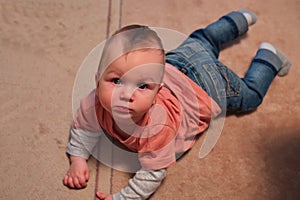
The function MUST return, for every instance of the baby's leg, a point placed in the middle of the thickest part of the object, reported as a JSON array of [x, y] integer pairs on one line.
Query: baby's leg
[[267, 63], [224, 30]]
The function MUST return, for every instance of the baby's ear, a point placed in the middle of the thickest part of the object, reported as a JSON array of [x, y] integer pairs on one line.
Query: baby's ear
[[160, 86]]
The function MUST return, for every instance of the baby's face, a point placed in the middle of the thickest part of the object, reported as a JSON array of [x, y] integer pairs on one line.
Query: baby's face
[[129, 85]]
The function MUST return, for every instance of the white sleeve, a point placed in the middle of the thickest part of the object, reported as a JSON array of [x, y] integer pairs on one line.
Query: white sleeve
[[142, 185], [82, 142]]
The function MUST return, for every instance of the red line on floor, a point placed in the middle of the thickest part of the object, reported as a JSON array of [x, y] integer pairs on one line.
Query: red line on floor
[[108, 26], [96, 179], [107, 35]]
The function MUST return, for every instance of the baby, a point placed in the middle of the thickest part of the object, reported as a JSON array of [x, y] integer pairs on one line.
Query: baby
[[156, 104]]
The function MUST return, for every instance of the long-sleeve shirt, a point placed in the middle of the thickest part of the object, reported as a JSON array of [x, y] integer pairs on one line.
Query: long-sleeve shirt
[[182, 111], [141, 186]]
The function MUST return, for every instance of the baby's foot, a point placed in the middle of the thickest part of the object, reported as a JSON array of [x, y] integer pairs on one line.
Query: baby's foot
[[286, 63], [250, 16]]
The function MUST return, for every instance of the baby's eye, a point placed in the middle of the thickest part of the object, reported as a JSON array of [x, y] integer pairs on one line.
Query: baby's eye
[[117, 81], [142, 86]]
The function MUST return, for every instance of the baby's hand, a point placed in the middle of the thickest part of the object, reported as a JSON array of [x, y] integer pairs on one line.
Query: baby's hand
[[102, 196], [78, 173]]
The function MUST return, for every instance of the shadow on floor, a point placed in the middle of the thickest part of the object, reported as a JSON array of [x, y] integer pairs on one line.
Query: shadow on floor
[[282, 158]]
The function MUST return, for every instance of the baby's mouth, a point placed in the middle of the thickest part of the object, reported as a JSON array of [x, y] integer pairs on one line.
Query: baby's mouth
[[121, 110]]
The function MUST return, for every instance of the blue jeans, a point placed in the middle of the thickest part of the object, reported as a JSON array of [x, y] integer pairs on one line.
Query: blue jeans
[[197, 57]]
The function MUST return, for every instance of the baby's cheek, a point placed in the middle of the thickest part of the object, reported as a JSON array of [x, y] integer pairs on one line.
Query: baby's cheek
[[105, 99], [144, 104]]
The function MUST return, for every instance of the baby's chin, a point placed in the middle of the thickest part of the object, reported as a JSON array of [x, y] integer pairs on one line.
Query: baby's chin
[[128, 118]]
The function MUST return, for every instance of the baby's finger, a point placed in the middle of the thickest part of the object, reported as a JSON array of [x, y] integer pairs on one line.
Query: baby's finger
[[82, 181], [65, 180], [70, 182], [76, 183], [87, 175], [100, 195]]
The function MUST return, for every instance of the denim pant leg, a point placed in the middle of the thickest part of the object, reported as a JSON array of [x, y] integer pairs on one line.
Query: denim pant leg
[[255, 84], [221, 32], [197, 56]]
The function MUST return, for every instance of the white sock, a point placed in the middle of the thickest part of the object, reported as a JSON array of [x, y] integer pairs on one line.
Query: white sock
[[286, 63], [250, 16], [268, 46]]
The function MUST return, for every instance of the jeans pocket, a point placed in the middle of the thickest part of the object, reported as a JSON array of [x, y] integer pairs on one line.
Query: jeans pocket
[[232, 81]]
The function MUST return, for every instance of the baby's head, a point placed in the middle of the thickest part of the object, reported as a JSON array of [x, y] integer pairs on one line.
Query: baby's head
[[130, 72]]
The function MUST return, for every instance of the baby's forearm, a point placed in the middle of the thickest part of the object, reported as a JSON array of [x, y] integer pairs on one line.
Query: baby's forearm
[[81, 142], [142, 185]]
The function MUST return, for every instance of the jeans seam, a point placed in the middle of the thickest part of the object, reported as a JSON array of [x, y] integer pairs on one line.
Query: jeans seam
[[228, 86]]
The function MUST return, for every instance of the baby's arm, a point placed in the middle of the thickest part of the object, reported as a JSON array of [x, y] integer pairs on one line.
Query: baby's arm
[[81, 141], [141, 186]]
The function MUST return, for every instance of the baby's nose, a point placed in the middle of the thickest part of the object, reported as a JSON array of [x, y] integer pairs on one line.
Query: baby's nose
[[127, 93]]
